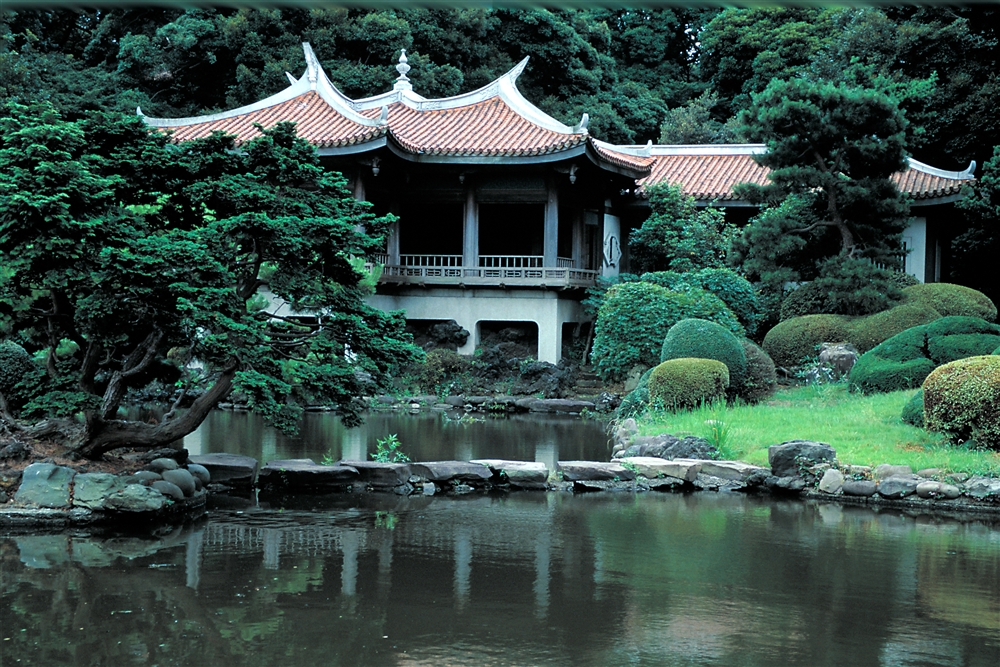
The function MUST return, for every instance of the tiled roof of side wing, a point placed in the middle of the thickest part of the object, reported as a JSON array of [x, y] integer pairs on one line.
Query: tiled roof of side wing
[[711, 172], [316, 121]]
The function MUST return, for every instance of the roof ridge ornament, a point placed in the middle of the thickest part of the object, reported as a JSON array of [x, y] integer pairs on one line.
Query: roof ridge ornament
[[581, 127], [383, 118], [402, 81]]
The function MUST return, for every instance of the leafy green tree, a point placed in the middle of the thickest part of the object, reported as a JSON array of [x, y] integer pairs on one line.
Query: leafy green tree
[[976, 247], [693, 123], [679, 236], [127, 257]]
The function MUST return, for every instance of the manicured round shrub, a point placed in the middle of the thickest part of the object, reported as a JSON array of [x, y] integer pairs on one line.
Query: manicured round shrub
[[962, 400], [794, 340], [867, 332], [913, 411], [734, 290], [760, 377], [637, 400], [903, 361], [14, 363], [702, 339], [687, 383], [949, 299], [810, 298], [634, 319]]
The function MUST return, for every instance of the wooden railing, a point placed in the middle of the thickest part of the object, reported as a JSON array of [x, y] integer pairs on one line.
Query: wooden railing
[[493, 270]]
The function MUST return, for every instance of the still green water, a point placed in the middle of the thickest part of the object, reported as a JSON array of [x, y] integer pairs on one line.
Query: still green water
[[524, 579]]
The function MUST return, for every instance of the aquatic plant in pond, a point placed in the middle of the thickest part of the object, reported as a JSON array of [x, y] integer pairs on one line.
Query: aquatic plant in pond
[[387, 450]]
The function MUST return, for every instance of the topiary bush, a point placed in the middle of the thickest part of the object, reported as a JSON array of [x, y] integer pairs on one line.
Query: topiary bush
[[962, 400], [702, 339], [760, 377], [867, 332], [903, 361], [15, 362], [734, 290], [913, 411], [636, 401], [685, 383], [794, 340], [949, 299], [810, 298], [634, 319]]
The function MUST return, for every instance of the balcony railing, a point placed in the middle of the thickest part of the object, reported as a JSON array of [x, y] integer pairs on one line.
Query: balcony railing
[[493, 270]]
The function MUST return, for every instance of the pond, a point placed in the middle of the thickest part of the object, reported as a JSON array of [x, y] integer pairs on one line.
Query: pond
[[528, 578], [425, 436]]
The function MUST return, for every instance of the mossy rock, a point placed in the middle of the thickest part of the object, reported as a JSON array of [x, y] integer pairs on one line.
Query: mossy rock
[[795, 340], [962, 400], [636, 401], [686, 383], [913, 411], [949, 299], [867, 332], [903, 361], [701, 339], [760, 377]]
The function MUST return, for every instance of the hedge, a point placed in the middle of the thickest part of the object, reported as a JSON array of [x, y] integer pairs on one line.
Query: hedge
[[962, 400], [760, 377], [949, 299], [684, 383], [794, 340], [634, 319], [734, 290], [913, 411], [702, 339], [14, 363], [903, 361], [867, 332]]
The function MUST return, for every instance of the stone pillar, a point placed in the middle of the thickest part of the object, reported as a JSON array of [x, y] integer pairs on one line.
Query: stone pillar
[[550, 333], [470, 237], [551, 233], [472, 342]]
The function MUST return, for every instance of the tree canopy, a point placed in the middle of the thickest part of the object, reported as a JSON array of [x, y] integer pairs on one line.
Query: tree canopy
[[130, 261]]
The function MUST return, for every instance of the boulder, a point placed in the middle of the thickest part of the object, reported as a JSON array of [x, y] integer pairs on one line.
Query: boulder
[[652, 467], [562, 405], [135, 498], [230, 469], [145, 477], [929, 489], [162, 464], [898, 486], [182, 479], [887, 470], [91, 489], [839, 357], [666, 446], [524, 474], [452, 471], [859, 487], [168, 489], [15, 450], [729, 470], [832, 481], [581, 471], [305, 475], [200, 472], [380, 475], [454, 401], [45, 485], [981, 488], [179, 455], [786, 458]]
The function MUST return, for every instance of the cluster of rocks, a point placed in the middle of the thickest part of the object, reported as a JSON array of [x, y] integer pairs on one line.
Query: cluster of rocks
[[495, 404], [54, 493]]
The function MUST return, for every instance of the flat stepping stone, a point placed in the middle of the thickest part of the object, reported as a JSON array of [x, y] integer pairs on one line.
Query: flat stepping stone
[[382, 475], [654, 467], [587, 471], [230, 469], [451, 471], [736, 471], [305, 475], [524, 474], [553, 405]]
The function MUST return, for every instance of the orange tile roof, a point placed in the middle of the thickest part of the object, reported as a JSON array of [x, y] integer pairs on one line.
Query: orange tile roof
[[316, 121], [638, 162], [712, 177]]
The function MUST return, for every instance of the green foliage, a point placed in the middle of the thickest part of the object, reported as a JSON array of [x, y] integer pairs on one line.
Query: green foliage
[[635, 317], [808, 298], [736, 291], [442, 367], [637, 400], [678, 235], [686, 383], [15, 363], [949, 299], [794, 340], [693, 123], [906, 359], [962, 400], [913, 411], [389, 450], [106, 244], [977, 245], [867, 332], [760, 378], [701, 339]]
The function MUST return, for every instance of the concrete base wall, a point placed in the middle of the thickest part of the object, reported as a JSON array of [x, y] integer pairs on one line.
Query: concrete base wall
[[469, 307]]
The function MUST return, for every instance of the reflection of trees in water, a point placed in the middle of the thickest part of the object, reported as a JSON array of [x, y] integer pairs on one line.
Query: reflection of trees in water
[[593, 579]]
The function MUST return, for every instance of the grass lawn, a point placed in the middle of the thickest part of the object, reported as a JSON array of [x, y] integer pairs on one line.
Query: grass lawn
[[865, 430]]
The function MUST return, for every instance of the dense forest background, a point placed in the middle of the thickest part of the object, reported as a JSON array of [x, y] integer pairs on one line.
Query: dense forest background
[[673, 74]]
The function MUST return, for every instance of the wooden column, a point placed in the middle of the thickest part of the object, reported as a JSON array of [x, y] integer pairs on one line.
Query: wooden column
[[551, 233], [470, 236]]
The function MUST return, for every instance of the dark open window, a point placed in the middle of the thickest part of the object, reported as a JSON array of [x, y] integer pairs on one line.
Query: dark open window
[[511, 229], [431, 228]]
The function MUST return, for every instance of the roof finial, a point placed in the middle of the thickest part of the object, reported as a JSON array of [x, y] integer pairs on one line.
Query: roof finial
[[402, 82]]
